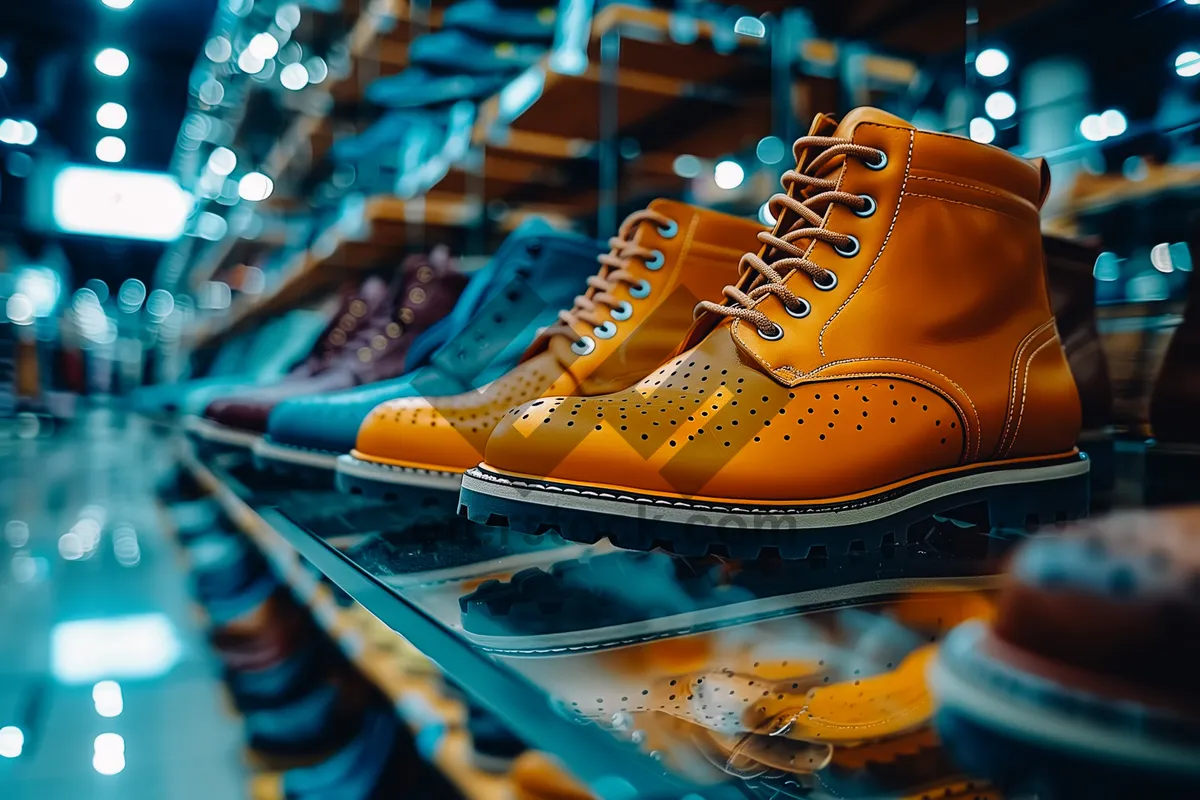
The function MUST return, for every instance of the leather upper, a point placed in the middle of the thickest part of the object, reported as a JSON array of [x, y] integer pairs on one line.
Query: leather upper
[[536, 271], [644, 326], [935, 348]]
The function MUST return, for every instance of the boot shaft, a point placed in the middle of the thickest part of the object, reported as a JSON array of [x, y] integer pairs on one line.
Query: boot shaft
[[944, 283]]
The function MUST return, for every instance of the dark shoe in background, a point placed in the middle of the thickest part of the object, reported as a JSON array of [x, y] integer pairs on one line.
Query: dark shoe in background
[[1173, 463], [1069, 268], [1084, 686], [424, 291]]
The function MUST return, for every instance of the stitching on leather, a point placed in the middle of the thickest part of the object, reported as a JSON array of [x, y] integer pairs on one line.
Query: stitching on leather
[[964, 185], [949, 380], [1025, 387], [912, 137], [1012, 198], [962, 203], [1012, 392]]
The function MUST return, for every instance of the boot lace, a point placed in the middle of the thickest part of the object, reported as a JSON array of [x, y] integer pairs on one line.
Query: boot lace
[[784, 254], [614, 271]]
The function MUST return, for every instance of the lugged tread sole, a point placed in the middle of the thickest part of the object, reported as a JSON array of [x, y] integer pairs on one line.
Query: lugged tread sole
[[1017, 500]]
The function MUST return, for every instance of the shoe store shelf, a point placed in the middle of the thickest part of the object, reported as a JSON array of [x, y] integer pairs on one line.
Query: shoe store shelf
[[368, 232], [377, 46], [405, 677], [612, 767]]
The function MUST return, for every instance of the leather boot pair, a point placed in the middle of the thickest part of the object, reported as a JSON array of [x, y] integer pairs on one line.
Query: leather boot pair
[[362, 348], [888, 354]]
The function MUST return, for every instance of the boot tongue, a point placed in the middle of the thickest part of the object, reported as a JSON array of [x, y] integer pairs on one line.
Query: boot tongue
[[858, 116], [823, 125]]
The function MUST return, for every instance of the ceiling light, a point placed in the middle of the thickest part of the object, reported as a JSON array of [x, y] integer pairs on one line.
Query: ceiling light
[[770, 150], [249, 63], [3, 67], [29, 132], [110, 149], [294, 77], [118, 4], [12, 741], [1160, 258], [1114, 122], [991, 62], [1092, 128], [1192, 2], [211, 92], [218, 49], [222, 161], [255, 186], [318, 70], [764, 214], [729, 174], [1000, 105], [686, 166], [263, 46], [982, 130], [287, 17], [112, 116], [112, 61], [1187, 64], [10, 131]]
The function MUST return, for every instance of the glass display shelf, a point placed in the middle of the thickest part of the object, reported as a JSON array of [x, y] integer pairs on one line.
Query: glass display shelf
[[655, 675]]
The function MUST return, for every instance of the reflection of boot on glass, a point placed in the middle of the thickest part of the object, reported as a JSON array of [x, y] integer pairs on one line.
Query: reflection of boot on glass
[[888, 355], [1173, 464], [1069, 268]]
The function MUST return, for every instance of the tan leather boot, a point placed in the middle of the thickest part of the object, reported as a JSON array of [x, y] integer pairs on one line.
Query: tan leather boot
[[631, 318], [1069, 268], [888, 355]]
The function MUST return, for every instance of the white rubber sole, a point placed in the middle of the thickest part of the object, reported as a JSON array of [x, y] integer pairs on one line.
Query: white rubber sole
[[295, 455], [401, 476], [684, 512], [222, 434], [492, 567], [743, 613]]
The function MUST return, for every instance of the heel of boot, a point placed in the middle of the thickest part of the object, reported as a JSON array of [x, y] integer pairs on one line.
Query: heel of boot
[[1019, 508]]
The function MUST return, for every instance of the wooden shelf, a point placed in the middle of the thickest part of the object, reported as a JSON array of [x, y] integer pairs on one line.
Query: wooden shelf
[[364, 237]]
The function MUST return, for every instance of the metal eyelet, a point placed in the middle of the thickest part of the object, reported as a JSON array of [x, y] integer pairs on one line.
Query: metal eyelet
[[851, 250], [869, 209], [656, 261], [669, 231], [879, 164], [831, 281], [584, 346], [775, 336], [799, 313], [622, 312], [641, 290], [605, 331]]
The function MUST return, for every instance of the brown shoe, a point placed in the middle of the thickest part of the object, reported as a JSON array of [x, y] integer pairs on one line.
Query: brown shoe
[[1069, 269]]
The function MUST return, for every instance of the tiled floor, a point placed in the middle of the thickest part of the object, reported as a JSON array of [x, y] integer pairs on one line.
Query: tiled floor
[[91, 590]]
